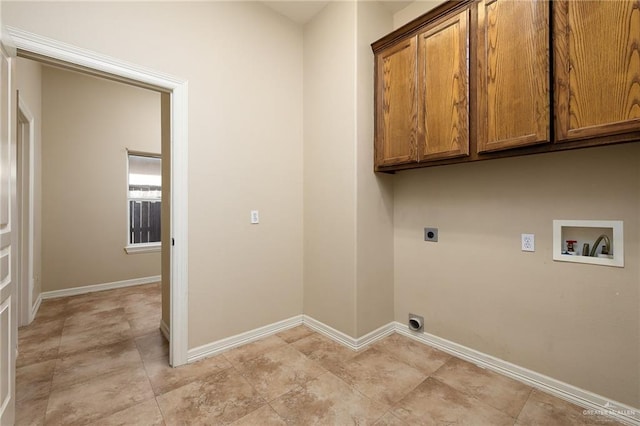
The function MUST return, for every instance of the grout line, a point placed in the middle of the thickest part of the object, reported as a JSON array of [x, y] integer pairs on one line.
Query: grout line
[[155, 398], [524, 405]]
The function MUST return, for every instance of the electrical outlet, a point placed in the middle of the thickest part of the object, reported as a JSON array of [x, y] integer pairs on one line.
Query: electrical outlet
[[431, 234], [528, 242], [255, 217]]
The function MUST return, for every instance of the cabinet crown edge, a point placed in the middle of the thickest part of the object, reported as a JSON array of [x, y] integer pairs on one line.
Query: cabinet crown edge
[[416, 25]]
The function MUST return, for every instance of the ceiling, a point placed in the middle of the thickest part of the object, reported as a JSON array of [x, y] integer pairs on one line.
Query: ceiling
[[301, 11]]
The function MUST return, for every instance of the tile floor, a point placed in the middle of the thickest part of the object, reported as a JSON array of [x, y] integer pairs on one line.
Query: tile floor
[[100, 359]]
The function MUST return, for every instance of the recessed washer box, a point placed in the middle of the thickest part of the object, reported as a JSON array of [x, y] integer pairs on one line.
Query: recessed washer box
[[588, 231]]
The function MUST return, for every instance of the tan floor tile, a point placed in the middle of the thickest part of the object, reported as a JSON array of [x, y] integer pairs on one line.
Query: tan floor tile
[[88, 401], [165, 378], [146, 413], [390, 420], [144, 324], [86, 365], [278, 371], [380, 376], [219, 399], [93, 302], [51, 310], [41, 329], [416, 354], [148, 312], [496, 390], [34, 381], [152, 345], [141, 304], [252, 350], [327, 400], [545, 409], [324, 350], [122, 292], [85, 298], [434, 402], [149, 290], [92, 296], [31, 412], [263, 416], [38, 348], [83, 340], [53, 304], [84, 320], [295, 333], [114, 357]]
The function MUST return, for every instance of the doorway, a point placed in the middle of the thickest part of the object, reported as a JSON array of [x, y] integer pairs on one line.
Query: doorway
[[174, 144], [25, 202]]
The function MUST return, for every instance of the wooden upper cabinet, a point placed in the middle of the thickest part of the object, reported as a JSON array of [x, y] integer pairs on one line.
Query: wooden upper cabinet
[[472, 80], [443, 81], [396, 115], [597, 68], [513, 97]]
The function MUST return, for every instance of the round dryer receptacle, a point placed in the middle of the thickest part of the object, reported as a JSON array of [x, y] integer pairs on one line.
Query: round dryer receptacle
[[416, 323]]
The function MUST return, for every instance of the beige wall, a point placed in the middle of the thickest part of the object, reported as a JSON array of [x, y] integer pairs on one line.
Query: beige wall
[[88, 124], [574, 322], [413, 10], [29, 84], [244, 67], [374, 192], [329, 167], [348, 232]]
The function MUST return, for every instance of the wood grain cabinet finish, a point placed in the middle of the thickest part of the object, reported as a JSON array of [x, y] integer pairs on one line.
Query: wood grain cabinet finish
[[513, 96], [471, 80], [597, 68], [396, 109], [443, 82]]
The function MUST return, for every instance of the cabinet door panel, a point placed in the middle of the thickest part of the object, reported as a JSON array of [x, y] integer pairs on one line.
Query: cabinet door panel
[[396, 119], [597, 68], [513, 74], [443, 78]]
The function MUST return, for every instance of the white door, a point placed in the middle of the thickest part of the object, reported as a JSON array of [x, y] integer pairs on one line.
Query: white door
[[8, 317]]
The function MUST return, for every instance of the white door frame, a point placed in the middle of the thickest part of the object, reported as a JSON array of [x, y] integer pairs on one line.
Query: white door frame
[[26, 226], [8, 236], [33, 44]]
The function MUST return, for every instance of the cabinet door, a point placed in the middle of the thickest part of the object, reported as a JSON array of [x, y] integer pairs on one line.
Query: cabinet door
[[513, 73], [443, 79], [597, 68], [396, 117]]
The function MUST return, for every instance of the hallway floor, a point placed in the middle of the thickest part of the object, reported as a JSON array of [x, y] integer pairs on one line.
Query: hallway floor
[[100, 359]]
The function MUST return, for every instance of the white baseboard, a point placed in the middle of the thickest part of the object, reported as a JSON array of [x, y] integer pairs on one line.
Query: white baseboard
[[99, 287], [34, 308], [219, 346], [164, 329], [352, 343], [588, 400]]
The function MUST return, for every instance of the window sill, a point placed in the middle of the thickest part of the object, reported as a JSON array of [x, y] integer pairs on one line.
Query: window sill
[[143, 248]]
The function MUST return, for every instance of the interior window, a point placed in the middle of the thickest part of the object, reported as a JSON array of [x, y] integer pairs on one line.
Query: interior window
[[145, 198]]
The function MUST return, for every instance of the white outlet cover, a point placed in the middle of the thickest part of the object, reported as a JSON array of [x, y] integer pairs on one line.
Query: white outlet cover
[[528, 242], [255, 217]]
